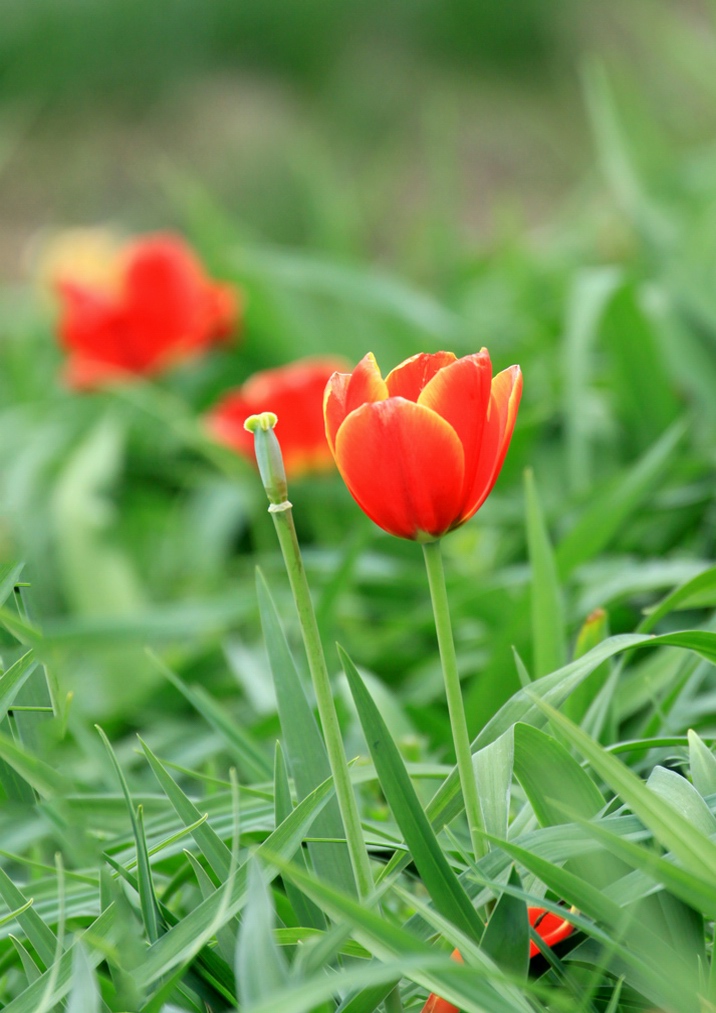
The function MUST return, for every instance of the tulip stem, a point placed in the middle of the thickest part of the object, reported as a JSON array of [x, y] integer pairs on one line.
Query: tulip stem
[[453, 692], [286, 531]]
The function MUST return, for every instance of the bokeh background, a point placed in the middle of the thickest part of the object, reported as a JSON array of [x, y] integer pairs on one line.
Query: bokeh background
[[536, 177]]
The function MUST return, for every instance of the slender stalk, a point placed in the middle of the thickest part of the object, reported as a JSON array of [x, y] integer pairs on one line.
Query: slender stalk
[[453, 692], [286, 531]]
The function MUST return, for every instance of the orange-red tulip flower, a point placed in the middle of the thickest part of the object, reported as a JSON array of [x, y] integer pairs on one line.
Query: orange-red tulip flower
[[295, 394], [548, 926], [156, 308], [421, 449]]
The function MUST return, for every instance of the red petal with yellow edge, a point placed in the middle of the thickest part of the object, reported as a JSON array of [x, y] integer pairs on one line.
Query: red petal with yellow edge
[[408, 379], [460, 393], [404, 466], [334, 405], [366, 384], [506, 391]]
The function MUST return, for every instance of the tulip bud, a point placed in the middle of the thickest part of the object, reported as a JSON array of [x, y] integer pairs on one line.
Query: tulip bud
[[268, 457]]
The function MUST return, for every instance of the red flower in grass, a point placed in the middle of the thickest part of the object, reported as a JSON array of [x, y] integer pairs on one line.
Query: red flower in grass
[[421, 449], [155, 308], [548, 926], [294, 393]]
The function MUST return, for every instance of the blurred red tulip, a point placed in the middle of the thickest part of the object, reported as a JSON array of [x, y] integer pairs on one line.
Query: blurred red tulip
[[295, 394], [421, 450], [550, 927], [159, 308]]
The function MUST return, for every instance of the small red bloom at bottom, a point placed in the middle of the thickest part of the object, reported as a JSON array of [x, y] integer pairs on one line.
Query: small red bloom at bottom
[[548, 926]]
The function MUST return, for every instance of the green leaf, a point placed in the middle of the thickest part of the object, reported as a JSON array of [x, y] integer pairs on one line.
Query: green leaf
[[552, 779], [474, 992], [683, 797], [147, 897], [644, 388], [40, 934], [507, 936], [589, 295], [438, 877], [13, 679], [247, 752], [303, 741], [84, 996], [306, 912], [101, 932], [188, 936], [607, 512], [225, 937], [9, 575], [493, 771], [548, 639], [699, 592], [208, 841], [594, 631], [260, 965], [692, 889], [32, 971], [688, 844], [702, 763], [39, 775]]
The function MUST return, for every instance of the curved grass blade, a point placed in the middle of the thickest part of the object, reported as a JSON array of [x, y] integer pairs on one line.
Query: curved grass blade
[[303, 741], [208, 841], [438, 877]]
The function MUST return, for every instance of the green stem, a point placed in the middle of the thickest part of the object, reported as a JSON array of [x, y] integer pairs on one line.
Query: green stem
[[286, 531], [453, 692]]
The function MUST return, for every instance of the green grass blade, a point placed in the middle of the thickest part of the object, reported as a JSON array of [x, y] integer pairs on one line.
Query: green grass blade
[[549, 649], [306, 912], [438, 877], [38, 774], [699, 592], [84, 996], [507, 936], [248, 753], [13, 679], [9, 576], [552, 780], [37, 931], [260, 965], [387, 941], [182, 939], [303, 741], [208, 841], [606, 513], [687, 843], [702, 764]]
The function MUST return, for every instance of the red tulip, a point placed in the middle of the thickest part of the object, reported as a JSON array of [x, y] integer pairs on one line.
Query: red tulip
[[548, 926], [295, 394], [421, 450], [159, 309]]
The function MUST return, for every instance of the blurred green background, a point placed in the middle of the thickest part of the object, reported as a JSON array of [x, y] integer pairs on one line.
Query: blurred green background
[[534, 177]]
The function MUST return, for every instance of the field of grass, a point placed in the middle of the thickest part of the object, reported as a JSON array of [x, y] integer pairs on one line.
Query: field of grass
[[172, 837]]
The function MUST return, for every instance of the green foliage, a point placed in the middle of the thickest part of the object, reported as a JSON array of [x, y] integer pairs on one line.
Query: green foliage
[[203, 866]]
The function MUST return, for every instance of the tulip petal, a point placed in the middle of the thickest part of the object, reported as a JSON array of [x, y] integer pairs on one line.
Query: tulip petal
[[506, 392], [347, 391], [549, 926], [404, 465], [334, 405], [408, 379], [460, 393]]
